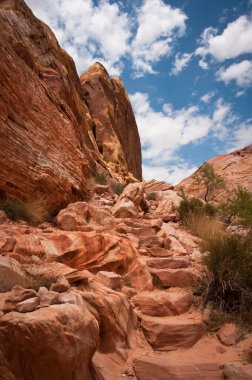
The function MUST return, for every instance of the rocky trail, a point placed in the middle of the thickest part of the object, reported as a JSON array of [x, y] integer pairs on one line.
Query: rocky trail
[[121, 304]]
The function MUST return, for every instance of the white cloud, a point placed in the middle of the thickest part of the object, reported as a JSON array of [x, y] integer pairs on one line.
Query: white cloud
[[104, 32], [240, 93], [171, 173], [241, 137], [240, 72], [181, 61], [88, 32], [235, 40], [207, 97]]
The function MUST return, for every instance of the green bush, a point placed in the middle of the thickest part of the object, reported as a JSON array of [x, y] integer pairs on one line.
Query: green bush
[[15, 210], [152, 196], [207, 177], [118, 187], [192, 207], [229, 261], [101, 179], [238, 205]]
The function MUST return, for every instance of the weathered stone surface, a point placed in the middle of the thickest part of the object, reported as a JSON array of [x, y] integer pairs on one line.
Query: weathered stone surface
[[229, 334], [48, 297], [177, 277], [28, 305], [167, 263], [73, 216], [17, 294], [110, 279], [161, 368], [51, 343], [171, 333], [114, 124], [163, 303], [7, 243], [61, 285], [11, 274], [237, 371], [234, 167], [154, 185]]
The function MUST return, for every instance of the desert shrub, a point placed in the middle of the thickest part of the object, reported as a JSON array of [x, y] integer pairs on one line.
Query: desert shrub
[[238, 205], [34, 211], [101, 179], [229, 262], [118, 187], [194, 207], [15, 210], [38, 275], [205, 227], [152, 196], [207, 177]]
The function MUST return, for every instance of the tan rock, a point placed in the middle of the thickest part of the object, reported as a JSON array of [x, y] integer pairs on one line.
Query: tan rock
[[110, 279], [167, 263], [159, 252], [73, 216], [11, 274], [161, 303], [125, 209], [171, 333], [28, 305], [162, 368], [67, 335], [229, 334], [17, 294], [161, 234], [48, 297], [7, 243], [151, 242], [177, 277], [61, 285]]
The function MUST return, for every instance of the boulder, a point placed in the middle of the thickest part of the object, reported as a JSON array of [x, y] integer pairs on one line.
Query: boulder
[[17, 295], [48, 297], [171, 333], [177, 277], [51, 343], [61, 285], [229, 334], [11, 274], [163, 303], [28, 305], [110, 279], [73, 216]]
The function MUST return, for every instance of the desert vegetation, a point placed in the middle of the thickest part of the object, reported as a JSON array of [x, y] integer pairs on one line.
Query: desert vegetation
[[34, 211], [227, 256]]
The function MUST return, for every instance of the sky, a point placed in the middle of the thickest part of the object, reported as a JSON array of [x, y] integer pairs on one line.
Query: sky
[[186, 64]]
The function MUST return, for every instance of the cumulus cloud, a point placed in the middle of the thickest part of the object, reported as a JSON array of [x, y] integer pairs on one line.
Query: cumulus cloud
[[181, 61], [162, 133], [241, 136], [170, 173], [158, 25], [240, 72], [235, 40], [207, 97], [107, 33]]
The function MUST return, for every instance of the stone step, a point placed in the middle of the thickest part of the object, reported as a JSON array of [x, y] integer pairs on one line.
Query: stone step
[[163, 368], [176, 277], [168, 263], [171, 333], [160, 303]]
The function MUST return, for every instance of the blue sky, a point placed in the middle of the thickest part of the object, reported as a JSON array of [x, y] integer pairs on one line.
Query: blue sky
[[186, 64]]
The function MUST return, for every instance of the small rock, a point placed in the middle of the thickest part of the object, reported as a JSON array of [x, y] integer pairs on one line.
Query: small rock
[[3, 217], [167, 243], [110, 279], [17, 295], [61, 285], [48, 298], [229, 334], [70, 298], [161, 234], [28, 305], [101, 189]]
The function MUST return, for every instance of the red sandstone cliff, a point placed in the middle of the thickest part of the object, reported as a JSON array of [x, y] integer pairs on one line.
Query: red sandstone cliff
[[234, 167], [47, 141]]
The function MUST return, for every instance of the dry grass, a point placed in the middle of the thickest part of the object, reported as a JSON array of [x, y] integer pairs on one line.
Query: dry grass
[[38, 210], [205, 227], [38, 275]]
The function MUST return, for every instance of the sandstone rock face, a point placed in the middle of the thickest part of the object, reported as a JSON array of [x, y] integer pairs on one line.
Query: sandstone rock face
[[114, 124], [162, 368], [58, 343], [48, 145], [11, 274], [234, 167]]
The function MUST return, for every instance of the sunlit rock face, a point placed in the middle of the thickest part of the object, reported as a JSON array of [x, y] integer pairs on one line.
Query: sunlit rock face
[[234, 167], [48, 144]]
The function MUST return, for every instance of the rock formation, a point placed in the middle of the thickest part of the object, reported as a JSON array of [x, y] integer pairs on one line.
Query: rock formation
[[49, 146], [234, 167]]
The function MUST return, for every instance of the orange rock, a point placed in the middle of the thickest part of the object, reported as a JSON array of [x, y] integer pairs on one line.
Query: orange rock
[[162, 368], [171, 333], [11, 274], [229, 334], [167, 263], [49, 343], [177, 277], [17, 294], [110, 279], [161, 303]]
